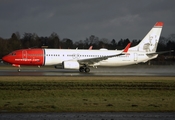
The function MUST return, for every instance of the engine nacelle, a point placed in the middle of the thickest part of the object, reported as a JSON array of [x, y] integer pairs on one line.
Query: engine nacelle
[[71, 65]]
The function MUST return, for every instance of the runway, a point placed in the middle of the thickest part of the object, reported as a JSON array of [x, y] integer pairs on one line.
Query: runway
[[90, 116], [134, 70]]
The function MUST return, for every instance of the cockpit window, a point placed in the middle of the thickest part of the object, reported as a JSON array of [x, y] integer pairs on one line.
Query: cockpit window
[[13, 53]]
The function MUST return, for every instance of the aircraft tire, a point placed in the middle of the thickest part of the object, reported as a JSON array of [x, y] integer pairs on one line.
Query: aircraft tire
[[87, 70], [81, 69]]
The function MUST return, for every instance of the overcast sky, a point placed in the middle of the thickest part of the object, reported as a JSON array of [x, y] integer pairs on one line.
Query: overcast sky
[[78, 19]]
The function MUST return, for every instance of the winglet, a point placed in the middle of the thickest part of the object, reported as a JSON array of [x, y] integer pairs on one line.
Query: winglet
[[90, 48], [127, 47]]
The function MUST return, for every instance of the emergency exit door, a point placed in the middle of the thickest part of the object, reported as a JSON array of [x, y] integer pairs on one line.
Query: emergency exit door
[[135, 57], [24, 54]]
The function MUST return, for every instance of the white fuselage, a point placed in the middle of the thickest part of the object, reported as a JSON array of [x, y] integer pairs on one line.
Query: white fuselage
[[57, 56]]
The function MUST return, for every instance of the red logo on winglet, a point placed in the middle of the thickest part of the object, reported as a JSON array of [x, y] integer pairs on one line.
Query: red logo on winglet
[[127, 47]]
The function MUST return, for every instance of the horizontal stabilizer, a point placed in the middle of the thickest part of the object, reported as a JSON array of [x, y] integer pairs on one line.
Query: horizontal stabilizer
[[155, 53]]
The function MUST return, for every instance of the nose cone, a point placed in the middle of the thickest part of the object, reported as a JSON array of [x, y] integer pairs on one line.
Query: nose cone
[[5, 58]]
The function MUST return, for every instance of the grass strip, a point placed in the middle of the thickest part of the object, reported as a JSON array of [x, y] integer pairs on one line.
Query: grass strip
[[86, 94]]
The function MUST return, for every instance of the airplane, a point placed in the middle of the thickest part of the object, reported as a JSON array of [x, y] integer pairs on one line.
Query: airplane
[[80, 59]]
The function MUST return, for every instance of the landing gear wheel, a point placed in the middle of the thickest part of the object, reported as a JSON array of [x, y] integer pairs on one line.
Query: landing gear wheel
[[81, 69], [87, 70], [84, 69]]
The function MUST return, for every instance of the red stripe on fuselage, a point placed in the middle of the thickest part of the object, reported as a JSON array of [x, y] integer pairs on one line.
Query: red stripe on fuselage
[[26, 57]]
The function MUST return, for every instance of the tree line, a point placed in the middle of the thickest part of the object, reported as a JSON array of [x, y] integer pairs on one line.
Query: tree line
[[32, 40]]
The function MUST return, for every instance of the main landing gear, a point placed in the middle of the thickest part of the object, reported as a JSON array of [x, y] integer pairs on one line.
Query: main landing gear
[[84, 69]]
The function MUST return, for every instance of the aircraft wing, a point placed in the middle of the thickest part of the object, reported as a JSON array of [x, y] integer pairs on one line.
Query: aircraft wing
[[98, 59]]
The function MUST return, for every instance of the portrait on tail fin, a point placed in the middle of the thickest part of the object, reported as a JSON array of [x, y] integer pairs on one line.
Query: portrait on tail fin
[[151, 44]]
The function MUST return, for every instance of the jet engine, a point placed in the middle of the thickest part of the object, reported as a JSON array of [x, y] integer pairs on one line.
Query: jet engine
[[71, 65]]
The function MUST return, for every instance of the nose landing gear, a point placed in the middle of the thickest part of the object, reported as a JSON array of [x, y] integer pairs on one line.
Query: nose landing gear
[[16, 65]]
